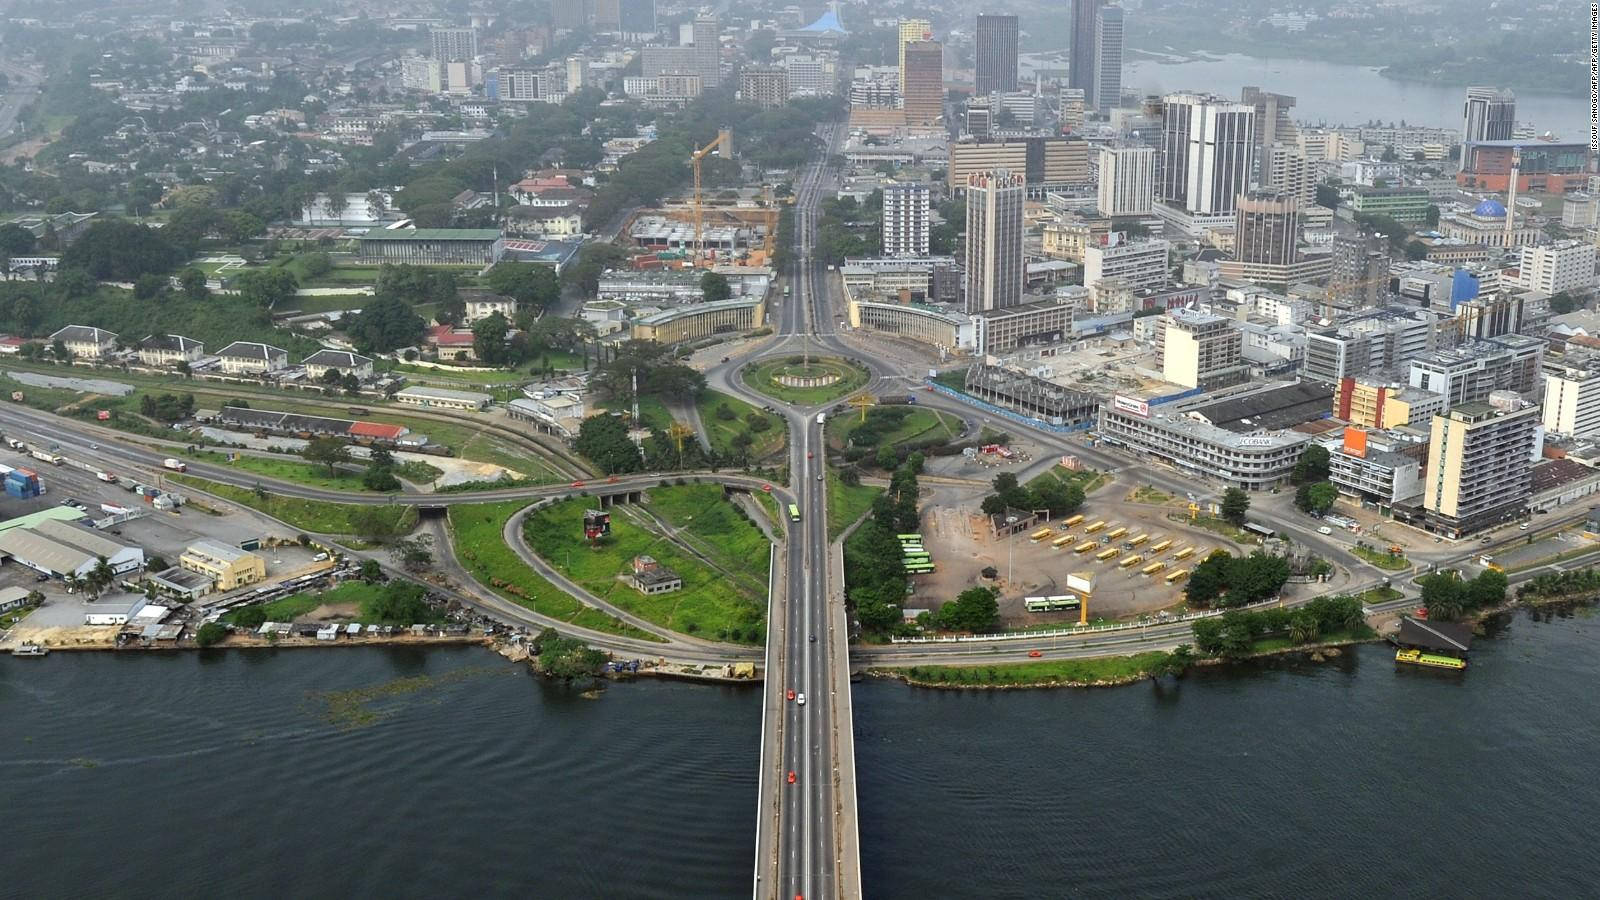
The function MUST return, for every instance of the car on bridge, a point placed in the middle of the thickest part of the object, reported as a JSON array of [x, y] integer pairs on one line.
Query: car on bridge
[[800, 699], [791, 776], [1034, 654], [791, 693]]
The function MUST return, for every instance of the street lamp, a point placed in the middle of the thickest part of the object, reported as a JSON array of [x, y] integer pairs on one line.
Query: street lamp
[[1010, 520]]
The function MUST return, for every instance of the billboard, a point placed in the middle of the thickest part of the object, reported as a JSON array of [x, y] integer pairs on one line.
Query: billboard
[[1255, 442], [596, 523], [1131, 405], [1355, 442]]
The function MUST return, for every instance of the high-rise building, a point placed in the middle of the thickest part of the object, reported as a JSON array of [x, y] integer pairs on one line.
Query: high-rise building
[[708, 50], [1360, 275], [922, 96], [997, 54], [1047, 161], [419, 73], [1072, 104], [1572, 394], [1558, 267], [764, 86], [1206, 147], [1490, 114], [638, 17], [1480, 467], [521, 85], [453, 44], [1080, 62], [569, 14], [607, 15], [1378, 342], [809, 75], [577, 73], [994, 240], [1287, 171], [910, 30], [979, 118], [1199, 349], [1108, 58], [1127, 180], [1138, 264], [1267, 228], [1273, 125], [905, 219], [1473, 371]]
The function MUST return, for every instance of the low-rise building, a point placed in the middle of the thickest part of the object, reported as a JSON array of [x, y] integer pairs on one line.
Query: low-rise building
[[1254, 461], [483, 304], [86, 341], [1376, 466], [60, 549], [431, 246], [169, 350], [699, 320], [441, 398], [650, 577], [252, 358], [227, 567], [320, 363]]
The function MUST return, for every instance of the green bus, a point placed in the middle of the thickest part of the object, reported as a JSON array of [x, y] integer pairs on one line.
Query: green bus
[[909, 538], [794, 513], [920, 569]]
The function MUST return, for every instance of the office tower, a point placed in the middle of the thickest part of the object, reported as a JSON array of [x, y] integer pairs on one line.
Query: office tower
[[1267, 228], [1289, 172], [1558, 267], [454, 44], [637, 16], [1489, 114], [764, 86], [997, 54], [994, 240], [1045, 161], [1199, 349], [1108, 58], [1071, 109], [577, 73], [1080, 64], [421, 74], [1206, 147], [569, 14], [905, 220], [708, 50], [809, 76], [1273, 125], [1360, 274], [922, 96], [911, 30], [1480, 466], [1136, 264], [1572, 394], [979, 119], [1127, 181], [607, 15]]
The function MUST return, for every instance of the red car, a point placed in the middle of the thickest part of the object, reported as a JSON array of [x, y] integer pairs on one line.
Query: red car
[[1034, 654], [809, 454], [791, 693], [577, 484], [612, 480], [791, 776], [767, 488]]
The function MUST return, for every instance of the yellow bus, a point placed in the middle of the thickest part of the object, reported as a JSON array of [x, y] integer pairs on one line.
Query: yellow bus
[[1094, 526], [1185, 553], [1152, 568], [1085, 547], [1139, 539], [1062, 541], [1104, 555], [1177, 575], [1129, 562], [1072, 522], [1041, 534], [1116, 532], [1158, 548]]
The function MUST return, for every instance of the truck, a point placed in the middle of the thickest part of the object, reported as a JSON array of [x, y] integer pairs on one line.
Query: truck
[[107, 477], [821, 418], [53, 459], [15, 444], [176, 465]]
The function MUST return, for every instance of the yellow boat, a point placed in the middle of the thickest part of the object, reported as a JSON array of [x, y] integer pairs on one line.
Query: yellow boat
[[1418, 658]]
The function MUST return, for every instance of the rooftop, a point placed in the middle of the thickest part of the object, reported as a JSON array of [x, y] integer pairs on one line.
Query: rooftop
[[1278, 406], [433, 234]]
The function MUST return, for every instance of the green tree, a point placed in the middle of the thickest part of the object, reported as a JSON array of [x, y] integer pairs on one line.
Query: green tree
[[603, 440], [1235, 505], [379, 478], [385, 324], [371, 571], [326, 451], [1312, 465], [1316, 497], [1444, 596], [118, 250], [974, 609], [192, 282], [210, 634], [266, 288], [489, 339], [414, 554], [715, 286]]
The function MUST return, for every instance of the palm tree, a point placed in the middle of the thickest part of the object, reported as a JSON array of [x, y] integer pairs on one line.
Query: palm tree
[[100, 577], [73, 583]]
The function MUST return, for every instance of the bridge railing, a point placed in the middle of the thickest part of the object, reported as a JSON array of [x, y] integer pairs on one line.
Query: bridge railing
[[1086, 629]]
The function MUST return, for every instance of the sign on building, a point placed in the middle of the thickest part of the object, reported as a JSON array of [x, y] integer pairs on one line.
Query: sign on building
[[1131, 405], [596, 523]]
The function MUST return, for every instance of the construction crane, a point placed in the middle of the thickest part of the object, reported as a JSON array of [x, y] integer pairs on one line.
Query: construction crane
[[723, 143], [862, 401]]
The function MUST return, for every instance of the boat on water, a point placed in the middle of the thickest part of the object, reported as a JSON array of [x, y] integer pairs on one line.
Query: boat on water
[[1438, 661], [30, 650]]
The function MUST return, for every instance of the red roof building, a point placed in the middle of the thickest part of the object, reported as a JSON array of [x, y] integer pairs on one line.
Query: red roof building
[[377, 431]]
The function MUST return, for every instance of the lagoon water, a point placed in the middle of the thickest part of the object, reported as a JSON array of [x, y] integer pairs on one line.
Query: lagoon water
[[449, 772]]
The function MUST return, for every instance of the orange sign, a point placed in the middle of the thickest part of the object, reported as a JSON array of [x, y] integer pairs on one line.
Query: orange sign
[[1355, 442]]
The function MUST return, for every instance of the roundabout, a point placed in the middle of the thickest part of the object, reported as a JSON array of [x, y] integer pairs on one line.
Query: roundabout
[[795, 380]]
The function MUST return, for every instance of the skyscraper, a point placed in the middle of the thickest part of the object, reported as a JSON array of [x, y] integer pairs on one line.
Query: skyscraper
[[1127, 180], [1490, 114], [1267, 228], [1273, 125], [1108, 58], [997, 54], [568, 14], [994, 240], [1080, 71], [1480, 467], [708, 50], [1206, 148], [607, 15], [453, 44], [905, 220], [911, 30], [637, 16], [922, 95]]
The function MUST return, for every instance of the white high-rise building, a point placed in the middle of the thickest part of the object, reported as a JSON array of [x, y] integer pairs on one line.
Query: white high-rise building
[[1127, 181], [1572, 396], [453, 44], [994, 239], [1289, 172], [905, 219], [1138, 264], [1561, 266], [419, 73], [1206, 150]]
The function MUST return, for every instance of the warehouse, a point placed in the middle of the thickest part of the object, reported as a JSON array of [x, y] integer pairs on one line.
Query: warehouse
[[59, 550], [441, 398]]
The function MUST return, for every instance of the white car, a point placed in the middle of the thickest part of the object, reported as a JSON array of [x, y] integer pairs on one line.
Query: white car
[[800, 699], [1324, 530]]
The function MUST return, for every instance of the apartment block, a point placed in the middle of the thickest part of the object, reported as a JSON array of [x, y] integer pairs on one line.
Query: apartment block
[[1199, 349], [1480, 467]]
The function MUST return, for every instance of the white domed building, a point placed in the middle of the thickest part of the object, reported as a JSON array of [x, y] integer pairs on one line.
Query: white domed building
[[1486, 225]]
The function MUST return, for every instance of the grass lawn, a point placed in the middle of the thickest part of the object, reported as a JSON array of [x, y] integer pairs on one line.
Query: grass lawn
[[760, 376], [1383, 559], [847, 504], [1278, 643], [653, 413], [483, 552], [16, 615], [721, 432], [320, 303], [915, 424], [1050, 672], [1144, 493], [1216, 526], [287, 609], [1087, 480], [317, 516], [287, 469], [770, 504], [709, 604], [460, 376], [714, 527], [1379, 595]]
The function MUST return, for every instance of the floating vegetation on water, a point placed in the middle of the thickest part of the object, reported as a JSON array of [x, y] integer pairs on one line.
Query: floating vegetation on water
[[353, 708], [83, 762]]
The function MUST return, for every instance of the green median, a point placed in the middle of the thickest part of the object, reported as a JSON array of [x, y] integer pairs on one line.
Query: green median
[[372, 521]]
